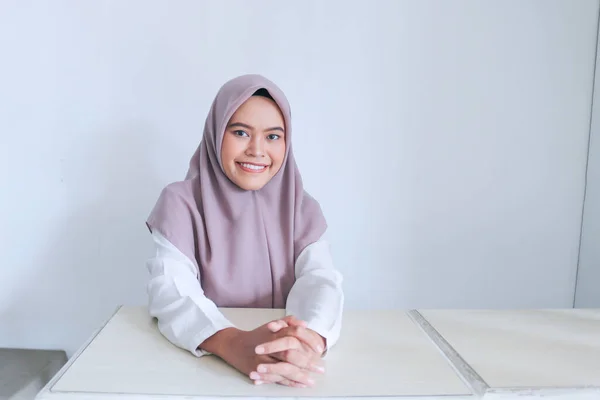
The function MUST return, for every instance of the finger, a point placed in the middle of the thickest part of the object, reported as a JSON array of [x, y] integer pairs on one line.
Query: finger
[[265, 378], [287, 371], [276, 326], [287, 382], [277, 345], [293, 321], [262, 382], [294, 357], [312, 339], [272, 378], [301, 360]]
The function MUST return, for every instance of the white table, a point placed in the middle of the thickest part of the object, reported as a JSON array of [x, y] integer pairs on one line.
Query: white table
[[523, 353], [129, 358], [428, 354]]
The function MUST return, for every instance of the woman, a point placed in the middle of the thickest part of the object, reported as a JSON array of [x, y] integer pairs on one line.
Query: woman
[[240, 231]]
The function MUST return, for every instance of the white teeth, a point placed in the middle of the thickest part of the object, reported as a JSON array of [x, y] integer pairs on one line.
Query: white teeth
[[254, 167]]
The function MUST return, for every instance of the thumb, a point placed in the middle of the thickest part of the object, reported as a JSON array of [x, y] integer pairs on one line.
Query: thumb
[[276, 326]]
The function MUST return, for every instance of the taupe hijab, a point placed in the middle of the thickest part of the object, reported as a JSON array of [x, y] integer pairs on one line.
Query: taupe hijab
[[244, 243]]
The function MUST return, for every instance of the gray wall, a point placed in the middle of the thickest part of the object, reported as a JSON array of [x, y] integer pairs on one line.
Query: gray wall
[[445, 140], [588, 277]]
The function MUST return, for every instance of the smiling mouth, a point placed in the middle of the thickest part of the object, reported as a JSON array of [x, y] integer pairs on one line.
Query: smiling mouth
[[252, 168]]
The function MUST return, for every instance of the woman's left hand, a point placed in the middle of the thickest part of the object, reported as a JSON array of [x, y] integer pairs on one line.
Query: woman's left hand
[[294, 344]]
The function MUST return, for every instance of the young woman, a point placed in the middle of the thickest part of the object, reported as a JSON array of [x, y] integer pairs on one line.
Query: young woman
[[240, 231]]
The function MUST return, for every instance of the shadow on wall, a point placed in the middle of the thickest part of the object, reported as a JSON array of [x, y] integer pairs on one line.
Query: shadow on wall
[[95, 258]]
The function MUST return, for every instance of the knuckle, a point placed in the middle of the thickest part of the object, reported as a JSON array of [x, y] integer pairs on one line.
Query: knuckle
[[267, 348], [301, 377], [293, 356], [306, 362], [300, 362], [288, 369], [279, 334]]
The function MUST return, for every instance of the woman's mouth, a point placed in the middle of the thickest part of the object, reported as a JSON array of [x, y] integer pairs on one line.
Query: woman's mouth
[[251, 167]]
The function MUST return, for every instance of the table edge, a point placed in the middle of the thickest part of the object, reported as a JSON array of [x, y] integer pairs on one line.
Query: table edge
[[47, 389]]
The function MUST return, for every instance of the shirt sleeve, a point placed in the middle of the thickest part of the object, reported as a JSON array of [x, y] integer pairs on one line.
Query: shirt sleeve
[[317, 296], [186, 317]]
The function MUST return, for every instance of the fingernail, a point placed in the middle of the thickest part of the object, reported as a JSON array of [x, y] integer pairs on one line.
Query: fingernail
[[319, 349], [311, 381], [318, 368], [260, 350], [254, 375], [262, 368], [258, 382]]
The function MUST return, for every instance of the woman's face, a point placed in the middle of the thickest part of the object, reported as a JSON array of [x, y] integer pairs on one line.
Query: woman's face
[[253, 146]]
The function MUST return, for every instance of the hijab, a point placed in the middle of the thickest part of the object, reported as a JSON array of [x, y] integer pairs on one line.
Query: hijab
[[244, 242]]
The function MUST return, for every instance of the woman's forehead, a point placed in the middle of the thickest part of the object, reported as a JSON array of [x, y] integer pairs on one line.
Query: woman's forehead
[[258, 110]]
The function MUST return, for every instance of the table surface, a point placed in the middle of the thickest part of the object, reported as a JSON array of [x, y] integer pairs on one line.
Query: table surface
[[525, 348], [427, 354]]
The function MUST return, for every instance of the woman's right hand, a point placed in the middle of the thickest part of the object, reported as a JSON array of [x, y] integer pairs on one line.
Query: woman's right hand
[[237, 348], [294, 344]]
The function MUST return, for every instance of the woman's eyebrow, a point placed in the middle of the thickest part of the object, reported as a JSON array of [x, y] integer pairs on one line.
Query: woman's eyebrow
[[246, 126], [240, 125]]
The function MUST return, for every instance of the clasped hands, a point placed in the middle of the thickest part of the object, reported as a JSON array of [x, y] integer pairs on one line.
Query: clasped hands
[[295, 352], [282, 351]]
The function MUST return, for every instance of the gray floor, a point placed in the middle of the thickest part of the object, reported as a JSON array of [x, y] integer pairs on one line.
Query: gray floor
[[23, 373]]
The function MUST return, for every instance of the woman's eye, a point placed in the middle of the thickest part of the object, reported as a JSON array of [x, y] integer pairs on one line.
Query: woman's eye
[[240, 133], [273, 137]]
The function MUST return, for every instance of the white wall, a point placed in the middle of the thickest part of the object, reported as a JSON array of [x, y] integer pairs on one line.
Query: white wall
[[588, 276], [446, 142]]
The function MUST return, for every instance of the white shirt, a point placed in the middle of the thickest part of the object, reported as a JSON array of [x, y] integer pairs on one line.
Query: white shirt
[[186, 317]]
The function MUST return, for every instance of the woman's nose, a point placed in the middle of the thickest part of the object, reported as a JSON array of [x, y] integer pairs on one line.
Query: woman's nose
[[256, 147]]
